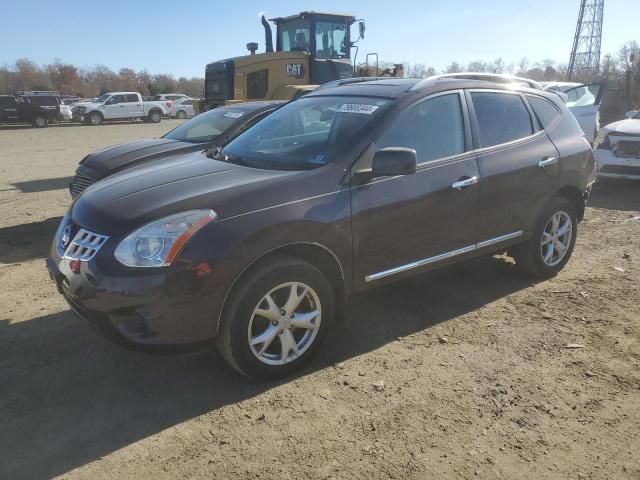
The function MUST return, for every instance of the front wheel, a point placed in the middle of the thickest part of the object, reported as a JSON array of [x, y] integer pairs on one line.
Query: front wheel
[[95, 119], [551, 245], [155, 117], [276, 319], [40, 121]]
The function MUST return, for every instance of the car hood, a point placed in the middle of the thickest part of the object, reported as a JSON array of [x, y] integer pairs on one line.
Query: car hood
[[127, 200], [118, 157], [630, 126]]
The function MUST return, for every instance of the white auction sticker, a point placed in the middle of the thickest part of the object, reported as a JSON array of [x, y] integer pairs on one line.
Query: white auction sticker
[[358, 108], [233, 114]]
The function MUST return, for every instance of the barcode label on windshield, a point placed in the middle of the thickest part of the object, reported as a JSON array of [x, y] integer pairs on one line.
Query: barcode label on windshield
[[233, 114], [358, 108]]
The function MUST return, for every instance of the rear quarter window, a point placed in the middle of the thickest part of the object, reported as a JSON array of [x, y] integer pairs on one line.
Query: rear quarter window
[[546, 112], [502, 117]]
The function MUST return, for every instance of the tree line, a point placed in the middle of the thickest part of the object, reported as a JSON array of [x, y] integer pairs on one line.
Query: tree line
[[91, 82]]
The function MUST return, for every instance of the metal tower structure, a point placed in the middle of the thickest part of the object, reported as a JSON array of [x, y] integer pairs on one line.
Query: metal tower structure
[[585, 55]]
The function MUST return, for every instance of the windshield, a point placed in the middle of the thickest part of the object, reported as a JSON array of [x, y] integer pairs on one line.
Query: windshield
[[304, 134], [206, 127], [103, 98]]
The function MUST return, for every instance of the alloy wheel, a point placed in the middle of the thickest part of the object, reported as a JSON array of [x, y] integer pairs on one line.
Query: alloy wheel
[[284, 323], [556, 238]]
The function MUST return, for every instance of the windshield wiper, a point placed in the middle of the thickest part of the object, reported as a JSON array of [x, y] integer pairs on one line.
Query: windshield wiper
[[245, 162]]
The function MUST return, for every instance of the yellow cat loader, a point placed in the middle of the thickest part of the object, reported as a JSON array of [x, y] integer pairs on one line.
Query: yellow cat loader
[[312, 48]]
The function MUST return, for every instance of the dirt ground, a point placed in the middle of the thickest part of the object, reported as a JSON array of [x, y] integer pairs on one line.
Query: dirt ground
[[460, 374]]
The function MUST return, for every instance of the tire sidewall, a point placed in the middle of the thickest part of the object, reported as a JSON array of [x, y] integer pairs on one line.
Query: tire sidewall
[[555, 205], [43, 123], [98, 117], [237, 319]]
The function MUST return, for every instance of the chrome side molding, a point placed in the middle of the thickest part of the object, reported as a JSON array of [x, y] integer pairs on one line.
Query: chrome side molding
[[442, 256]]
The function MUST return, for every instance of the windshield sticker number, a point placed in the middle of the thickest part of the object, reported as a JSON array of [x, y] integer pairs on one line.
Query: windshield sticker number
[[357, 108], [233, 115]]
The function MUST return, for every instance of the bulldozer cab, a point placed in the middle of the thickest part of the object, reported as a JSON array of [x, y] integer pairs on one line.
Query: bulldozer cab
[[311, 48]]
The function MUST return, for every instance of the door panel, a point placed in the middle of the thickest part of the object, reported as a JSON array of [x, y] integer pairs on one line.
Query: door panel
[[514, 185], [584, 101], [411, 218]]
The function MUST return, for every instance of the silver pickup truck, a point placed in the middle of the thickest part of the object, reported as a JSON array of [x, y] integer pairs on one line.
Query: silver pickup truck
[[120, 106]]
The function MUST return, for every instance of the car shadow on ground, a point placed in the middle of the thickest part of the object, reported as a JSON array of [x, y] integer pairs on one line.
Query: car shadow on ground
[[615, 194], [70, 397], [45, 185], [28, 241]]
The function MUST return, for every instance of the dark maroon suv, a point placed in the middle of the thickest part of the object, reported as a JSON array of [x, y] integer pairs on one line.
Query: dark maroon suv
[[337, 192]]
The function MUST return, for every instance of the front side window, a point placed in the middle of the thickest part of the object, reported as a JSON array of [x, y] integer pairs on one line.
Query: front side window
[[544, 110], [304, 134], [433, 128], [115, 99], [331, 40], [7, 102], [502, 117], [295, 36], [206, 127]]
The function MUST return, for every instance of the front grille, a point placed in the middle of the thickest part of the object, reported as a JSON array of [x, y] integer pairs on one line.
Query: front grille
[[85, 245], [620, 169], [80, 184]]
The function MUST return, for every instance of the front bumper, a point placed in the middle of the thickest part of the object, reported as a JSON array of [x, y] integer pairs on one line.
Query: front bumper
[[612, 166], [169, 308]]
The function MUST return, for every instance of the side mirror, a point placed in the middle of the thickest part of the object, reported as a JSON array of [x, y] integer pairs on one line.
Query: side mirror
[[361, 28], [393, 161], [109, 102], [631, 114]]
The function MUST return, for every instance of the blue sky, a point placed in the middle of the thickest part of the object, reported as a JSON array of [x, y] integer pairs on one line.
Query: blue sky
[[181, 37]]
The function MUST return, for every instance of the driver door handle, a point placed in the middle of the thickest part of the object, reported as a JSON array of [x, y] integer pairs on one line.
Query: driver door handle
[[547, 162], [464, 183]]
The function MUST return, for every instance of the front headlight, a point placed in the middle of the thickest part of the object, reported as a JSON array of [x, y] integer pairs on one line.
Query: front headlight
[[158, 243]]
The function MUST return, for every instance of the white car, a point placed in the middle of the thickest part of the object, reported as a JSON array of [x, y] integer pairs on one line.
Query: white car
[[617, 148], [584, 101], [183, 108], [174, 97], [120, 106]]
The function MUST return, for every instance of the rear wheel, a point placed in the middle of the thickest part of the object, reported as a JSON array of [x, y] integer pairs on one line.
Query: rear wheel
[[552, 242], [181, 115], [39, 121], [155, 116], [276, 319]]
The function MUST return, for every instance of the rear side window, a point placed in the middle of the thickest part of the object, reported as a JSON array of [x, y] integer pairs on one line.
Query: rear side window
[[132, 97], [44, 100], [502, 117], [546, 112], [433, 128]]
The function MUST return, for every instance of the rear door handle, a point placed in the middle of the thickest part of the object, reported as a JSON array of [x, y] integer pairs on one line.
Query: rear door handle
[[464, 183], [547, 162]]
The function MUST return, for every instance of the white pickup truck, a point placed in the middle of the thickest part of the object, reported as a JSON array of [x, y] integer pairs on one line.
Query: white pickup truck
[[120, 106]]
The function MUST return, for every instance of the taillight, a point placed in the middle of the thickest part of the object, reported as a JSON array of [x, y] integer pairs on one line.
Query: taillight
[[168, 103]]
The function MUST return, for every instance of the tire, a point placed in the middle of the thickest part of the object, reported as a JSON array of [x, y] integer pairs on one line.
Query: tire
[[535, 257], [181, 115], [95, 119], [240, 321], [40, 121], [155, 116]]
